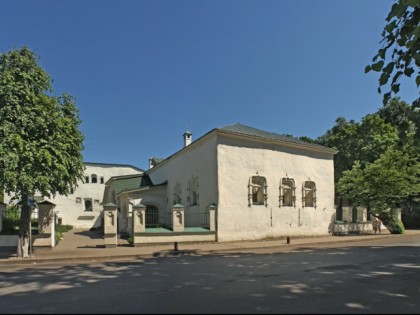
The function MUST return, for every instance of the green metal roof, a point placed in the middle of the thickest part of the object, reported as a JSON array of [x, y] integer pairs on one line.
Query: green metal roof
[[130, 183]]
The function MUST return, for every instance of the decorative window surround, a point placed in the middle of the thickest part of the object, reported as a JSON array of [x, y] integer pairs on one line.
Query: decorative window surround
[[309, 194], [287, 197], [257, 190], [192, 191]]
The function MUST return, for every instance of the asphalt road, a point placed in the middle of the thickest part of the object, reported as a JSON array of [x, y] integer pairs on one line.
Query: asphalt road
[[363, 277]]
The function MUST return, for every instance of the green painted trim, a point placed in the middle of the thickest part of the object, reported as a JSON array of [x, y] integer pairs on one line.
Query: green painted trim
[[110, 204]]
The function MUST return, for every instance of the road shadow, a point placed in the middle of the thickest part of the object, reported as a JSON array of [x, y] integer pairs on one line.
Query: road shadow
[[234, 282], [95, 234]]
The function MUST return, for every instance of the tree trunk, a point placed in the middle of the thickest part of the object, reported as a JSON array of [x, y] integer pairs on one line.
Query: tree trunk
[[392, 222], [23, 246]]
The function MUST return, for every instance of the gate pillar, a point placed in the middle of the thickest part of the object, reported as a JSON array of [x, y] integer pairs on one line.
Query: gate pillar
[[178, 218], [212, 217], [138, 221], [46, 224], [110, 225]]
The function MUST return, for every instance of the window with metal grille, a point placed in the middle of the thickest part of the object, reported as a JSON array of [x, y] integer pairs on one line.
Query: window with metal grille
[[309, 194], [287, 197], [257, 190]]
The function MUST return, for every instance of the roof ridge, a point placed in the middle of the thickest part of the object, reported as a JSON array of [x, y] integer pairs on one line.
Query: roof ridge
[[252, 131]]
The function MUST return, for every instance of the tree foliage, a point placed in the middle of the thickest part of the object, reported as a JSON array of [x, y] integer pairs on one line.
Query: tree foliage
[[363, 142], [383, 185], [406, 119], [377, 160], [40, 150], [400, 52]]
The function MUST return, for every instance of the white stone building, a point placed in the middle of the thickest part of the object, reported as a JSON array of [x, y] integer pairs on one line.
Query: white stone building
[[263, 185], [82, 209]]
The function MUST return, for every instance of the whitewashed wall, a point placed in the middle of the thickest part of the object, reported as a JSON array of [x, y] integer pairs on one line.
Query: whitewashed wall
[[73, 213], [238, 160], [197, 159]]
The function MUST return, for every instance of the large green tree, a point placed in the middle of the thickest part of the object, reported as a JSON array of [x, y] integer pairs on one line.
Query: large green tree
[[361, 149], [383, 185], [41, 144], [363, 142]]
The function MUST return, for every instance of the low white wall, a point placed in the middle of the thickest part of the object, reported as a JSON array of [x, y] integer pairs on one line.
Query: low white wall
[[176, 238]]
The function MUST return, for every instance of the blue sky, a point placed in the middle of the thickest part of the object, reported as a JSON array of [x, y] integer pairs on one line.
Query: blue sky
[[143, 72]]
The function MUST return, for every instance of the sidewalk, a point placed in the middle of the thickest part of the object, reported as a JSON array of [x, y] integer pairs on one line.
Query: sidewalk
[[88, 246]]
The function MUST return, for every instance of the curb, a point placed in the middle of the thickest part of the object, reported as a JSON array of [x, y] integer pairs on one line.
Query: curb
[[171, 253]]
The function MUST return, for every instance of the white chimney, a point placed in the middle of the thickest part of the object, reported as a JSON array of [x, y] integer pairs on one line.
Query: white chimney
[[187, 138]]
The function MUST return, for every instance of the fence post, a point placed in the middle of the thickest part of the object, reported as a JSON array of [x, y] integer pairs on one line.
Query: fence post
[[178, 218], [46, 226], [212, 217], [138, 221], [110, 225]]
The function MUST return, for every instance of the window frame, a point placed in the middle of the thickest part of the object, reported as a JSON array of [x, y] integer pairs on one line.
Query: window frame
[[306, 190], [284, 186], [258, 188]]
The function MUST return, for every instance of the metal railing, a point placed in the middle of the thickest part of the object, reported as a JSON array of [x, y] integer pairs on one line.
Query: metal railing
[[152, 219], [192, 219], [197, 219]]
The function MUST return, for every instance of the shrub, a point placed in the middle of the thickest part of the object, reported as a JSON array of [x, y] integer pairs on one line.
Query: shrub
[[130, 240], [59, 230]]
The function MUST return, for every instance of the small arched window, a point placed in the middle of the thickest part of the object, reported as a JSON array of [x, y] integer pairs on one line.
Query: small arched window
[[309, 194], [257, 190], [94, 178], [287, 196]]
